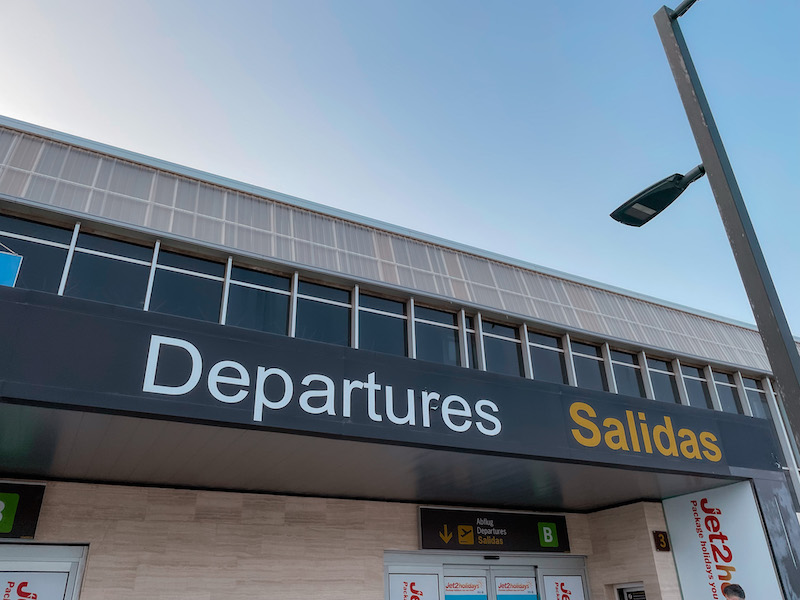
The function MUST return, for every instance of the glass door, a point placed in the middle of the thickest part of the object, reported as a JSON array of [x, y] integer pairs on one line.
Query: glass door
[[490, 583]]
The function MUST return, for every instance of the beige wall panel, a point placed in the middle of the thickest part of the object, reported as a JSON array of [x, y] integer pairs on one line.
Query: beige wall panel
[[175, 544], [624, 552]]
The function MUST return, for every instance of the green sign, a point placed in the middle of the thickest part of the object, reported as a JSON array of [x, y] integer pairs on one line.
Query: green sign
[[8, 510], [548, 535]]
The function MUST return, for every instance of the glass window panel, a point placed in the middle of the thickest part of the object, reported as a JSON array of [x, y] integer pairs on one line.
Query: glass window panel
[[190, 263], [758, 404], [323, 322], [665, 387], [503, 356], [323, 291], [698, 393], [109, 246], [544, 340], [548, 365], [107, 280], [624, 357], [723, 378], [472, 350], [437, 344], [390, 306], [629, 381], [586, 349], [382, 333], [504, 330], [729, 399], [470, 322], [661, 365], [692, 371], [42, 266], [264, 279], [257, 309], [590, 373], [437, 316], [186, 296], [752, 383], [36, 230]]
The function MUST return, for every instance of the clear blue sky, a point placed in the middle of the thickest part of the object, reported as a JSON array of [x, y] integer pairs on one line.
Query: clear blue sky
[[513, 126]]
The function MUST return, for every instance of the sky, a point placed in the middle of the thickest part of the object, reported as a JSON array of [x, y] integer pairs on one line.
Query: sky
[[512, 126]]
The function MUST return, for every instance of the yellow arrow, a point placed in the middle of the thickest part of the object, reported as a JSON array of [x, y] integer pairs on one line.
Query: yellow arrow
[[446, 537]]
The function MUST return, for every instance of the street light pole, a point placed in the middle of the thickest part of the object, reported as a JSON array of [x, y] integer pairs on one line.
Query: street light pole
[[770, 318]]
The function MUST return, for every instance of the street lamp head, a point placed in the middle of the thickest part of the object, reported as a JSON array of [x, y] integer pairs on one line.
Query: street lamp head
[[651, 201]]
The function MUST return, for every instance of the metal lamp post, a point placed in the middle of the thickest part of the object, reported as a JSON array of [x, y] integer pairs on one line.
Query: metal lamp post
[[770, 318], [777, 508]]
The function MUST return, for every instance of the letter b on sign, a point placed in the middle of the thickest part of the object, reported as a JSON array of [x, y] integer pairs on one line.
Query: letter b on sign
[[548, 538], [8, 510]]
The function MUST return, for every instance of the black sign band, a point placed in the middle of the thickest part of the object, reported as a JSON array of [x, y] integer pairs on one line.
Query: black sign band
[[460, 530]]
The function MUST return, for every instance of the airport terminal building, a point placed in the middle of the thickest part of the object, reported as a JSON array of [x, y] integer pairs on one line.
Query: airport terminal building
[[210, 390]]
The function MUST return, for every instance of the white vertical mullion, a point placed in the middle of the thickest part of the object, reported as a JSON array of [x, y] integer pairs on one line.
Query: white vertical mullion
[[293, 305], [784, 438], [479, 339], [605, 350], [354, 324], [68, 263], [682, 393], [152, 275], [411, 329], [463, 339], [743, 399], [572, 378], [649, 392], [223, 314], [526, 352], [712, 388]]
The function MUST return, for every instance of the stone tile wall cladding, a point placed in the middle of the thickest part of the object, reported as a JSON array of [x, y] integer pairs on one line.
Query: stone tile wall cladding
[[59, 175], [164, 543]]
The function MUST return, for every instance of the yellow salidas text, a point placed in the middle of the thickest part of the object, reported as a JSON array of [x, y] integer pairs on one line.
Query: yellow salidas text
[[636, 434]]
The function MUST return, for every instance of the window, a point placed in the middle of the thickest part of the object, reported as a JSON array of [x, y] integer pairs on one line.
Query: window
[[382, 325], [258, 301], [187, 287], [472, 342], [323, 314], [696, 387], [436, 335], [43, 249], [547, 357], [757, 397], [503, 349], [665, 385], [727, 392], [589, 371], [107, 270], [627, 374]]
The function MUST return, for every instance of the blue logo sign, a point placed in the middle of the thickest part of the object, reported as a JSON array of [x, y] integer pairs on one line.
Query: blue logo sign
[[9, 268]]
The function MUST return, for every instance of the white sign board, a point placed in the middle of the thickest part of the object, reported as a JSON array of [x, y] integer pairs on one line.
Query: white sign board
[[567, 587], [413, 586], [465, 588], [717, 538], [33, 585], [516, 588]]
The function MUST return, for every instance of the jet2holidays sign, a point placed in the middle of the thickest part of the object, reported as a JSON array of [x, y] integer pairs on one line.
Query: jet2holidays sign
[[718, 539]]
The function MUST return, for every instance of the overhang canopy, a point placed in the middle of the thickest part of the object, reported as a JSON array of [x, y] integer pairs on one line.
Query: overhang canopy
[[100, 393]]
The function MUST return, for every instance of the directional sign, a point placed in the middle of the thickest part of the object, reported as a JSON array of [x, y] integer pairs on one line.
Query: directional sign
[[444, 529]]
